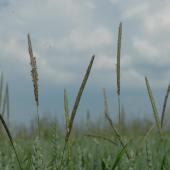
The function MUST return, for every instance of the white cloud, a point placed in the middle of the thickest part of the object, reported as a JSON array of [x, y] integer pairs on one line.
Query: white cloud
[[114, 1], [146, 48], [65, 33], [81, 40], [158, 21], [132, 78], [11, 48], [100, 37], [138, 10], [67, 28], [151, 53], [53, 75], [104, 62]]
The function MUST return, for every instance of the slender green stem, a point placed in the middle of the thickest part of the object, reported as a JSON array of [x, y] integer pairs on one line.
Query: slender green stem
[[62, 156], [119, 111], [38, 121]]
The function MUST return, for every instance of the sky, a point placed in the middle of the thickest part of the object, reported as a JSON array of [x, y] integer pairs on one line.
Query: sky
[[65, 34]]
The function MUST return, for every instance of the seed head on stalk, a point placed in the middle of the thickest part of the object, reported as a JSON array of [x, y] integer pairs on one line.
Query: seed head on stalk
[[34, 72], [34, 75], [118, 58], [118, 68]]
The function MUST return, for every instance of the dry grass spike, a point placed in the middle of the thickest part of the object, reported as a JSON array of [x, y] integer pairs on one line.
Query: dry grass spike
[[118, 57], [118, 69], [34, 75], [34, 72]]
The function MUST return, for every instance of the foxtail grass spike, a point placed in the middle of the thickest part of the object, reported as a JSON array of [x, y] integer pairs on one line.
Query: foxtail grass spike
[[164, 106], [34, 75], [118, 57], [34, 72], [118, 69]]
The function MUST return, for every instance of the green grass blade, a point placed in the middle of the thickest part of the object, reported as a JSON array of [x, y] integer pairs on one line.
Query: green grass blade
[[77, 101], [119, 156], [164, 105], [101, 137], [142, 141], [66, 110], [106, 106], [1, 89], [163, 162], [103, 165], [106, 113], [5, 100], [154, 108], [11, 140]]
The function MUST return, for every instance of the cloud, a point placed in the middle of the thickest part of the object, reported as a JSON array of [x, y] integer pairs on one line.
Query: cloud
[[81, 40], [4, 3], [55, 76], [159, 17], [138, 10], [90, 40], [65, 34], [145, 48], [104, 62], [114, 1]]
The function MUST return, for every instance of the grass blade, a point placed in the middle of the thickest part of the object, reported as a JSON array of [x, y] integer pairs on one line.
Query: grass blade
[[154, 108], [66, 110], [76, 104], [111, 124], [106, 107], [11, 140], [119, 156], [1, 90], [6, 102], [164, 105], [77, 101], [142, 141], [101, 137], [163, 162]]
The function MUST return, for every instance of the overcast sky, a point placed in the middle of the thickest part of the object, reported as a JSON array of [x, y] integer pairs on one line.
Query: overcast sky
[[65, 34]]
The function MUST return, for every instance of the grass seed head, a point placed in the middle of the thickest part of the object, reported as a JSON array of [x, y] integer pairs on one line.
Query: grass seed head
[[34, 72]]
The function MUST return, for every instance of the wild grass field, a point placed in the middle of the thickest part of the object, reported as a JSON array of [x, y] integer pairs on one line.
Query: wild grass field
[[116, 145]]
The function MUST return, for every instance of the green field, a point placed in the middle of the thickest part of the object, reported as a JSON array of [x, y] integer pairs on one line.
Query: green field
[[89, 148], [103, 145]]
